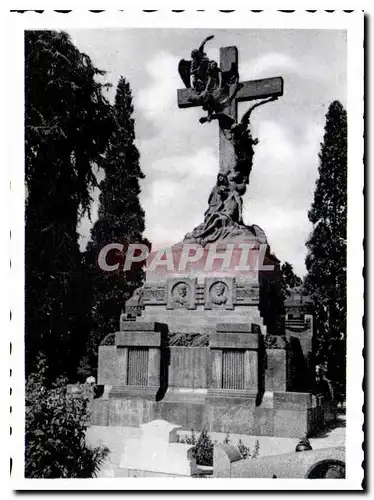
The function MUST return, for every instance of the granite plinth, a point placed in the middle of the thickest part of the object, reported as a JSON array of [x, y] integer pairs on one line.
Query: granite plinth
[[236, 327], [195, 321], [138, 338], [234, 340], [218, 411], [142, 326], [276, 371]]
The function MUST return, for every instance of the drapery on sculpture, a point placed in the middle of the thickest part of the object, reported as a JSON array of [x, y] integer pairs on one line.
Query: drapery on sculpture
[[224, 216], [215, 91]]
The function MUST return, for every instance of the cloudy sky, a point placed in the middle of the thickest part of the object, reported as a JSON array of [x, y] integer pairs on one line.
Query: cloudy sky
[[179, 156]]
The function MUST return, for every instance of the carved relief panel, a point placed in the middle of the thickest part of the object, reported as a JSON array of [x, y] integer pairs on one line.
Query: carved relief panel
[[154, 294], [219, 293], [181, 293]]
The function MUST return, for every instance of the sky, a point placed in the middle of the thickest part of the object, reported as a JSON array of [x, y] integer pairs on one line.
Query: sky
[[179, 156]]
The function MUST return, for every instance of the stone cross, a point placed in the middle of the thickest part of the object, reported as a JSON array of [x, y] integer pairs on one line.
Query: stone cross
[[250, 90]]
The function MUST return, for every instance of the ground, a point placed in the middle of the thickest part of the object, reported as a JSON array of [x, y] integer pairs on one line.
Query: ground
[[115, 437]]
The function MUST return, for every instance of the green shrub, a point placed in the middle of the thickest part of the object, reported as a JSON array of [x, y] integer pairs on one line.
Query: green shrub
[[56, 424]]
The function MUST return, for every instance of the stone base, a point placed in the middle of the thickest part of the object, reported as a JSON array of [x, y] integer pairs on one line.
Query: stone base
[[281, 414]]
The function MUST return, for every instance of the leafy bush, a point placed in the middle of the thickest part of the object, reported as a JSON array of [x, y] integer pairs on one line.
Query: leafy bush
[[227, 439], [256, 451], [203, 450], [109, 339], [246, 451], [187, 439], [56, 424]]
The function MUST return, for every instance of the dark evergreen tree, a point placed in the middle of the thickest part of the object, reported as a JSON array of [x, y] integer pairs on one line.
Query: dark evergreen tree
[[288, 279], [120, 220], [67, 126], [326, 259]]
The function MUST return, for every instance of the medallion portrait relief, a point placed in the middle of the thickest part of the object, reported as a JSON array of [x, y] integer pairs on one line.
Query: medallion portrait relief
[[219, 293], [181, 294]]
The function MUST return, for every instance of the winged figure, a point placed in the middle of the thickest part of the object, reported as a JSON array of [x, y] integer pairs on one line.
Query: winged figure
[[194, 71]]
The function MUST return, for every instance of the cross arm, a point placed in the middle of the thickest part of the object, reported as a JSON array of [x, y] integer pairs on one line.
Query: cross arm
[[253, 89], [260, 89]]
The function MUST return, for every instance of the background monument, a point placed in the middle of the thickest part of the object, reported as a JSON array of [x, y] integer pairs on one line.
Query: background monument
[[205, 348]]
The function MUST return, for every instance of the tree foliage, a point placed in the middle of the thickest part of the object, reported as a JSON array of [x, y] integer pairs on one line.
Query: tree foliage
[[288, 279], [326, 259], [120, 220], [56, 424], [67, 126]]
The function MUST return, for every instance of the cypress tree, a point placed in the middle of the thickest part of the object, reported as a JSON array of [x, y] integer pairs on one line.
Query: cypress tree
[[288, 279], [67, 126], [326, 260], [120, 220]]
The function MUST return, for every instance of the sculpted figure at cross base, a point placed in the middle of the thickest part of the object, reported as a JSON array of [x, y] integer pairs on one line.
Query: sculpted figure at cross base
[[224, 216]]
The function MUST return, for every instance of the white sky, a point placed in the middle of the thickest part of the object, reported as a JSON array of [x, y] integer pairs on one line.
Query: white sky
[[179, 156]]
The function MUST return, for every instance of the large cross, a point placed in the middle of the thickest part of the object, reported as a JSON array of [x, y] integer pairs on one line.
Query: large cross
[[250, 90]]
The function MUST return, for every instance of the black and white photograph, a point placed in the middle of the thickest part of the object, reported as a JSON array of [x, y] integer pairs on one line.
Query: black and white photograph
[[191, 220]]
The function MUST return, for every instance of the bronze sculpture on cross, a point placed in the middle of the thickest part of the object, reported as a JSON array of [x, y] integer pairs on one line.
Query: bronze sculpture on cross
[[218, 90]]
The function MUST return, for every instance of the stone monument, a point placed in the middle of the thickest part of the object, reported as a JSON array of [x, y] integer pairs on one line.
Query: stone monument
[[196, 345]]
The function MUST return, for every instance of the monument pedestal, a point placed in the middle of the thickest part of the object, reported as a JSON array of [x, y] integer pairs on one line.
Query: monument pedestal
[[191, 350], [224, 387]]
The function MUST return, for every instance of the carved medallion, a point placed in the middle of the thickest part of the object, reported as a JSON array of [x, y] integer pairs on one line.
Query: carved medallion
[[219, 293], [181, 293]]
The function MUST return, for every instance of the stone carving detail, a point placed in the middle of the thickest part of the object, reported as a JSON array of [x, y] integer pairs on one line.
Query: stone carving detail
[[246, 294], [200, 299], [204, 75], [181, 293], [154, 293], [134, 306], [219, 293], [195, 70]]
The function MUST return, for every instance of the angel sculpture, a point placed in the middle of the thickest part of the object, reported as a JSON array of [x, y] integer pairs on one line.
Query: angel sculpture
[[196, 68]]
